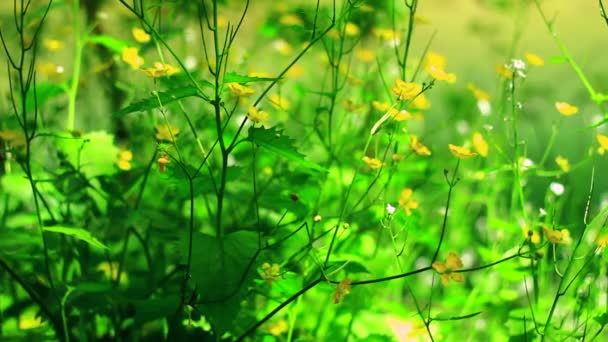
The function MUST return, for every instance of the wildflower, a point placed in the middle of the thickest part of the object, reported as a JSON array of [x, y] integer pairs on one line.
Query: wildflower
[[503, 71], [342, 290], [561, 237], [291, 20], [397, 157], [373, 163], [385, 34], [295, 71], [479, 94], [165, 132], [565, 108], [461, 151], [365, 55], [256, 115], [602, 241], [140, 35], [162, 161], [435, 65], [447, 269], [279, 102], [603, 141], [124, 160], [270, 273], [480, 144], [418, 147], [351, 29], [381, 106], [110, 270], [534, 59], [557, 188], [53, 44], [420, 102], [277, 328], [282, 47], [239, 90], [400, 115], [405, 90], [49, 69], [534, 236], [441, 75], [390, 209], [563, 163], [131, 56], [406, 202], [351, 106], [160, 70], [317, 218]]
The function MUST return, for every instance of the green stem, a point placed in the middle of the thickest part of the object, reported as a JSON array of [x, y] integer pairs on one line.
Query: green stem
[[78, 47]]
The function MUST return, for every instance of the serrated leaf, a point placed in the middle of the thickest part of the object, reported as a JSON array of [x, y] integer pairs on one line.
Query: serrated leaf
[[116, 45], [78, 233], [152, 102], [232, 77], [275, 141]]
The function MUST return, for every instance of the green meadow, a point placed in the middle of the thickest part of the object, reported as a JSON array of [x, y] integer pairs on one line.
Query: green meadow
[[236, 170]]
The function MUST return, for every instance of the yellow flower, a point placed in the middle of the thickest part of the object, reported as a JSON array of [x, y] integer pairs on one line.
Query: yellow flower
[[561, 237], [381, 106], [479, 94], [342, 290], [239, 90], [365, 55], [406, 202], [418, 147], [503, 71], [436, 60], [447, 269], [110, 270], [602, 241], [279, 102], [140, 35], [160, 70], [291, 20], [351, 106], [49, 69], [277, 328], [441, 75], [420, 102], [399, 115], [385, 34], [435, 65], [295, 71], [603, 141], [256, 115], [373, 163], [165, 132], [480, 144], [351, 29], [461, 152], [124, 160], [565, 108], [53, 44], [282, 47], [397, 157], [131, 56], [270, 273], [563, 163], [534, 236], [534, 59], [405, 90]]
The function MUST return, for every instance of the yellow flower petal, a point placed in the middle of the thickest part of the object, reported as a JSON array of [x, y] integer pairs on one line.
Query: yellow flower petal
[[565, 108], [461, 152], [480, 144], [140, 35], [534, 59]]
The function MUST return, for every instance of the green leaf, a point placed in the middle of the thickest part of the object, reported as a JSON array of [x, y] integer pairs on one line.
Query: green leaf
[[44, 92], [152, 102], [275, 141], [232, 77], [110, 42], [78, 233]]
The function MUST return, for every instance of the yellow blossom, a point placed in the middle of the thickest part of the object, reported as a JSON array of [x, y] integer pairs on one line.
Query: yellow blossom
[[277, 328], [480, 144], [110, 270], [140, 35], [533, 235], [447, 269], [342, 290], [602, 241], [399, 115], [405, 90], [270, 273], [563, 163], [479, 94], [418, 147], [160, 70], [282, 47], [561, 237], [397, 157], [351, 29], [295, 71], [351, 105], [124, 160], [461, 151], [166, 132], [53, 44], [503, 71], [534, 59], [256, 115], [436, 60], [131, 56], [291, 20], [365, 55], [162, 161], [381, 106], [441, 75], [565, 108], [237, 89], [373, 163], [603, 141], [420, 102], [385, 34], [278, 102], [407, 202], [49, 69]]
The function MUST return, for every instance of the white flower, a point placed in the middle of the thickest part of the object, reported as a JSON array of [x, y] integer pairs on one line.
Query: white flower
[[390, 209], [557, 188]]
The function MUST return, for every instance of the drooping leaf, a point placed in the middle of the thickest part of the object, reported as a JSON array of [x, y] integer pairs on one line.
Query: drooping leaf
[[78, 233], [275, 141], [163, 99], [234, 77]]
